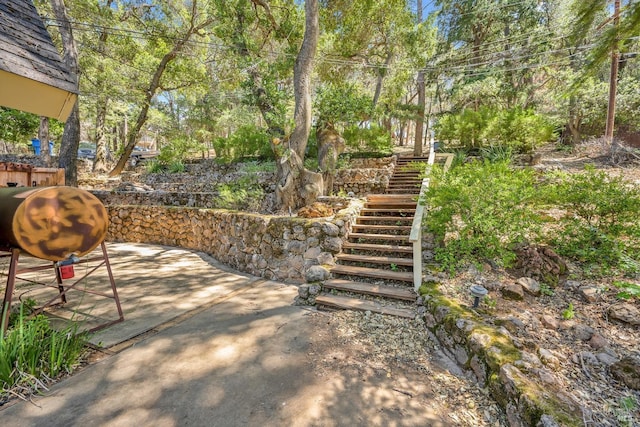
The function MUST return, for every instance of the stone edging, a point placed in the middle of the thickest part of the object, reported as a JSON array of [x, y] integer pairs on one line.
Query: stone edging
[[490, 356]]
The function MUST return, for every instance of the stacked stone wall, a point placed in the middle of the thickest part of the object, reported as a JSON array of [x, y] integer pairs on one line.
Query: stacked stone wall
[[362, 181], [280, 248]]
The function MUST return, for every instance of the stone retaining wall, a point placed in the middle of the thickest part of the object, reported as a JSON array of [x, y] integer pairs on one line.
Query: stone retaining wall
[[362, 181], [157, 198], [372, 162], [511, 374], [281, 248]]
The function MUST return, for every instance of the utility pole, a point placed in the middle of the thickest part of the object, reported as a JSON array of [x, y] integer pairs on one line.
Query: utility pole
[[613, 78]]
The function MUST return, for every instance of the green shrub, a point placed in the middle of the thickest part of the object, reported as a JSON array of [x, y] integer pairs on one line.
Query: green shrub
[[253, 167], [31, 350], [465, 127], [519, 130], [479, 211], [243, 194], [497, 153], [179, 148], [375, 139], [154, 166], [600, 228], [176, 167], [247, 141], [341, 103]]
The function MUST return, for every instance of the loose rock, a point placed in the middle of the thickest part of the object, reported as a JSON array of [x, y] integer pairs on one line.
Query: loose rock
[[513, 292], [530, 285], [625, 312], [317, 273], [627, 371]]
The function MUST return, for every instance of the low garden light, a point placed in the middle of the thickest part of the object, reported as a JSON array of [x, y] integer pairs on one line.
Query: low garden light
[[477, 292]]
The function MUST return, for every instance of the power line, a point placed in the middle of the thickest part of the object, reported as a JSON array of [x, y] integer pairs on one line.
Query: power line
[[499, 55]]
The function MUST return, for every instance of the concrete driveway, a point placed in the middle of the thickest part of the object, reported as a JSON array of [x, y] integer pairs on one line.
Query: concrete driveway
[[231, 350]]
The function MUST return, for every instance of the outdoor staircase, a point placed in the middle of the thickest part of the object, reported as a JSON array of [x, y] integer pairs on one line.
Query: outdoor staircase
[[375, 269]]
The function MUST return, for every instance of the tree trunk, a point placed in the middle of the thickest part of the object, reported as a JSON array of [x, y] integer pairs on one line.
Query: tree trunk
[[381, 75], [613, 80], [43, 136], [100, 161], [71, 135], [69, 148], [134, 134], [296, 186], [330, 145], [417, 144], [265, 104]]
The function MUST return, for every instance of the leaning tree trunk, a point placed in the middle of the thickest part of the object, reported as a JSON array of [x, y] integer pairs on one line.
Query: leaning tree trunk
[[297, 186], [71, 136], [134, 134]]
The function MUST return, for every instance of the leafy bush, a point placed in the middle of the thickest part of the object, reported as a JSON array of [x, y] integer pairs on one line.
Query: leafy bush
[[368, 139], [176, 167], [253, 167], [247, 141], [154, 166], [497, 153], [600, 228], [243, 194], [341, 103], [31, 350], [466, 127], [178, 149], [479, 211], [517, 129], [521, 130]]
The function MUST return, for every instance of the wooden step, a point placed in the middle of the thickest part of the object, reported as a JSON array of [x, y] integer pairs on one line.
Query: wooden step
[[406, 219], [387, 260], [402, 229], [414, 187], [371, 236], [386, 197], [334, 301], [405, 294], [378, 248], [408, 174], [393, 206], [404, 180], [412, 159], [350, 270], [407, 191], [365, 211]]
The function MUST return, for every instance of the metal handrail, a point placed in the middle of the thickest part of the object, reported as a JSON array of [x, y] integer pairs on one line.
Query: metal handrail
[[416, 227]]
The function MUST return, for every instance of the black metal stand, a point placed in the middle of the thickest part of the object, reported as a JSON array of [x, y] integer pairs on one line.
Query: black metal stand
[[62, 288]]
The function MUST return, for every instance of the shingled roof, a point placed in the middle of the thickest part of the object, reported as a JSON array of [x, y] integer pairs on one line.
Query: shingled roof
[[33, 76]]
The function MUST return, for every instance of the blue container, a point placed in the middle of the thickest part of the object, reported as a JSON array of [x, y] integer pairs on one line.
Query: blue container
[[35, 143]]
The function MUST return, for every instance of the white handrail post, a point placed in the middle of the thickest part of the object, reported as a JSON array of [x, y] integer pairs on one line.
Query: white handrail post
[[417, 263]]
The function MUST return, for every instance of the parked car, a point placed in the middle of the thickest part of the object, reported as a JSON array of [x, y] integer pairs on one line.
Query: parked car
[[86, 153], [139, 154]]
